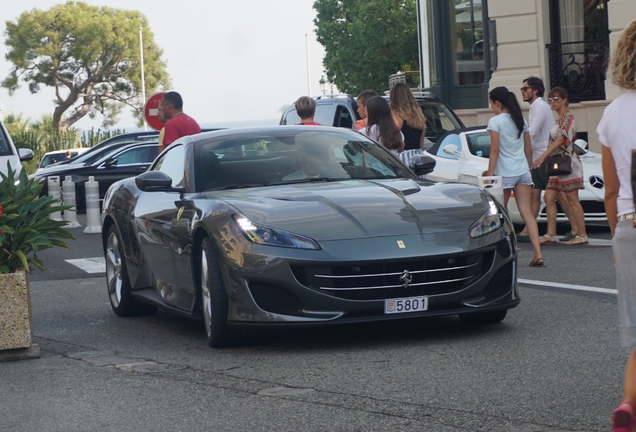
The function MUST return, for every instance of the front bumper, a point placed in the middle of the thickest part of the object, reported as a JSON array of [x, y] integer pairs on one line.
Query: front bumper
[[278, 292]]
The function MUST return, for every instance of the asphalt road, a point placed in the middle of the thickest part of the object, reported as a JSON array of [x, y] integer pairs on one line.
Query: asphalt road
[[554, 364]]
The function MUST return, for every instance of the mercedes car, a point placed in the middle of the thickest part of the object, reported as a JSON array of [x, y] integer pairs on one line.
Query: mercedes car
[[462, 155], [297, 226]]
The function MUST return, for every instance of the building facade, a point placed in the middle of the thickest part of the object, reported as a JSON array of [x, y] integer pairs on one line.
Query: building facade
[[471, 46]]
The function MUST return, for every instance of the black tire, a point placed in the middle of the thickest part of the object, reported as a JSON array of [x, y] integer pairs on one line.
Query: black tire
[[480, 318], [214, 300], [117, 281]]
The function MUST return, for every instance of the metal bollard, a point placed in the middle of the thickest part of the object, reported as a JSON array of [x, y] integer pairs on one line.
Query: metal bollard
[[53, 184], [93, 223], [68, 193]]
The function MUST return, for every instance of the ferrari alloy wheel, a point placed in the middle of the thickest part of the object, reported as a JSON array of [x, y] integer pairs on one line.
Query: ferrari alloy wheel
[[213, 298], [478, 318], [121, 301]]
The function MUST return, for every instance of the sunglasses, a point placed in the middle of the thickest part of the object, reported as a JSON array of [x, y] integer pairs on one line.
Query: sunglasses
[[554, 99], [526, 88]]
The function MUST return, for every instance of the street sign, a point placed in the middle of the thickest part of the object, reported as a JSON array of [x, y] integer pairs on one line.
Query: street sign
[[151, 111]]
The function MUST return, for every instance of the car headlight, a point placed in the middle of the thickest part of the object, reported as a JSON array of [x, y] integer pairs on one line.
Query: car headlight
[[272, 237], [489, 222]]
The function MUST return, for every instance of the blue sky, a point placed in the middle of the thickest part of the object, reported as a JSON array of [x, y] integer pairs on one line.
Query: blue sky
[[232, 61]]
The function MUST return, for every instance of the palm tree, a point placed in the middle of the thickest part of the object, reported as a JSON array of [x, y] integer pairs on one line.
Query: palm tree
[[16, 123]]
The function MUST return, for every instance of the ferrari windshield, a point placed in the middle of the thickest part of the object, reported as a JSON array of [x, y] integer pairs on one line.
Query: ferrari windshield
[[317, 155]]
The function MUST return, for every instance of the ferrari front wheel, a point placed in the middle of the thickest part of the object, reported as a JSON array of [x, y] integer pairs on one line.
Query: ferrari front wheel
[[213, 298]]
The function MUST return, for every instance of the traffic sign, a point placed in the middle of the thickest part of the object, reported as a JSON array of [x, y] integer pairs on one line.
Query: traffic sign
[[151, 110]]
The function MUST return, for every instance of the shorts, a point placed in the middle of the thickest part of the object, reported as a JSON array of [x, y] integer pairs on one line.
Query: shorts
[[540, 178], [511, 182]]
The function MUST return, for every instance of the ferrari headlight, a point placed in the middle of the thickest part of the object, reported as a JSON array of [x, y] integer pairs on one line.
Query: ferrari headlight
[[272, 237], [489, 222]]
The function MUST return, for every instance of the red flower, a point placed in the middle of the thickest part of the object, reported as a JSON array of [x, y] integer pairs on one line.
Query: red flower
[[0, 210]]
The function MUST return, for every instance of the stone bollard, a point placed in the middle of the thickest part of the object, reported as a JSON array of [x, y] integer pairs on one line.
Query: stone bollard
[[93, 223], [68, 193], [53, 184]]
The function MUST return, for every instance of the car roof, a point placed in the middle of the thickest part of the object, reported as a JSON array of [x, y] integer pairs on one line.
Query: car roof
[[271, 130], [63, 151]]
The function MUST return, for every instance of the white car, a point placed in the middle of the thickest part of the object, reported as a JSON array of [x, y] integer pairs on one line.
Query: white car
[[58, 156], [462, 155], [9, 154]]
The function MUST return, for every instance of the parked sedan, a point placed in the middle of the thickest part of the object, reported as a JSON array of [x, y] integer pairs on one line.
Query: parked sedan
[[288, 226], [56, 156], [117, 163], [462, 155]]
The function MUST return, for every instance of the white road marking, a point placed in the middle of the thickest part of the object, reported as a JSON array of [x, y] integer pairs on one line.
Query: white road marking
[[89, 265], [568, 286]]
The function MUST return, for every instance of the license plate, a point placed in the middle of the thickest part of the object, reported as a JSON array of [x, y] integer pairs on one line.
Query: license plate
[[406, 304]]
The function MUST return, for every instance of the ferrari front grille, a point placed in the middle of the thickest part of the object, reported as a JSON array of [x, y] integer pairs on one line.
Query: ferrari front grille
[[400, 278]]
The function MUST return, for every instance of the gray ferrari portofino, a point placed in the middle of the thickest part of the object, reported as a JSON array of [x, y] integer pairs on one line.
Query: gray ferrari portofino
[[300, 225]]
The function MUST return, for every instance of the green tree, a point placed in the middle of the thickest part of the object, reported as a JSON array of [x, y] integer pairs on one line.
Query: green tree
[[366, 41], [89, 55]]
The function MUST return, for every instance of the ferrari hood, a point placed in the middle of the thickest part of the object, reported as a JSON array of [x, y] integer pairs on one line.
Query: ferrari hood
[[363, 209]]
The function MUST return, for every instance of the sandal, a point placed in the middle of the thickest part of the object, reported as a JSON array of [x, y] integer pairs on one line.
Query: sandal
[[568, 236], [548, 239], [536, 263], [623, 417], [583, 240]]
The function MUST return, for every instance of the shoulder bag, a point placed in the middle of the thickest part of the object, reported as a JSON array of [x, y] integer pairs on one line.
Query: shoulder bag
[[558, 164]]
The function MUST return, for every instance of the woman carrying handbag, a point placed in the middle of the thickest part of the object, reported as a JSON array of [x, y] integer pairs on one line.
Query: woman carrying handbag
[[561, 143]]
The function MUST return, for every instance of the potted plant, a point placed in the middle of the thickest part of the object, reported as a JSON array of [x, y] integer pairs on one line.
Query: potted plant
[[25, 229]]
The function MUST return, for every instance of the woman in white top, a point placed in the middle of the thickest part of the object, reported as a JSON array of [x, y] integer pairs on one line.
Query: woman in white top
[[617, 133], [381, 127], [511, 157]]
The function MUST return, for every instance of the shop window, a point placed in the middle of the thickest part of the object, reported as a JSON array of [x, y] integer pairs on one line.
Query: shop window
[[467, 27]]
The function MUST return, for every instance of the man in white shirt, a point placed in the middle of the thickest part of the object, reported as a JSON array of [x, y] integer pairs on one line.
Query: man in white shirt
[[541, 121]]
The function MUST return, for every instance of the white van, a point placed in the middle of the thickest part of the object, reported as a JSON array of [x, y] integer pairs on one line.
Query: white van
[[9, 154]]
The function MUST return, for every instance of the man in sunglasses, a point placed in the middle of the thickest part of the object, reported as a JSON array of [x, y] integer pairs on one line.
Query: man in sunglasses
[[540, 124]]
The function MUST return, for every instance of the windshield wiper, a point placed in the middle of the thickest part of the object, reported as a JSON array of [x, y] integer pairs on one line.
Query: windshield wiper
[[306, 180], [242, 185]]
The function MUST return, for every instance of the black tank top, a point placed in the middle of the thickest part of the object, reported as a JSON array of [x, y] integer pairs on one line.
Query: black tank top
[[411, 137]]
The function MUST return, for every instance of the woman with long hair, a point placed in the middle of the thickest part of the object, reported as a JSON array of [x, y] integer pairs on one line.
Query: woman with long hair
[[562, 138], [410, 120], [511, 157], [617, 133], [381, 127]]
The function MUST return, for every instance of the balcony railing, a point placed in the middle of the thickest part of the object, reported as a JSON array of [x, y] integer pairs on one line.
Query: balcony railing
[[411, 78], [580, 68]]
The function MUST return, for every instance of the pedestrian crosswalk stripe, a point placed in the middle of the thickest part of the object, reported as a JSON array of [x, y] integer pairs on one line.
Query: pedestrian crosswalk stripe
[[89, 265]]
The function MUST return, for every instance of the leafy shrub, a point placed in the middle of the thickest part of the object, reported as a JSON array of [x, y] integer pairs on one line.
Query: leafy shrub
[[25, 226]]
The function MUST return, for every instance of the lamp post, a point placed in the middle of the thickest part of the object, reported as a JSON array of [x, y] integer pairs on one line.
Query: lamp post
[[323, 84]]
